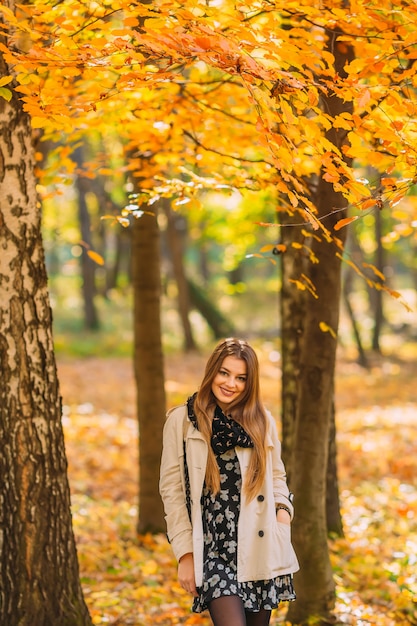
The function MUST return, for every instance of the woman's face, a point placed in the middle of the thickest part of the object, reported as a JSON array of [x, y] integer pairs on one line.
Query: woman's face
[[230, 381]]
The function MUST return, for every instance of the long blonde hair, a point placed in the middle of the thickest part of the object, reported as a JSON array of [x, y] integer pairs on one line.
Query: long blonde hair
[[248, 411]]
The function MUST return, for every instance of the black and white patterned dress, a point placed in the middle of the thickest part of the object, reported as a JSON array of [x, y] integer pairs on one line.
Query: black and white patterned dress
[[220, 525]]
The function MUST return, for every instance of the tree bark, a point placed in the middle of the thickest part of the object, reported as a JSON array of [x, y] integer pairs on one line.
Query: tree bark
[[149, 368], [292, 306], [39, 578], [315, 585], [177, 254], [334, 520], [377, 294], [314, 582], [88, 267], [347, 289]]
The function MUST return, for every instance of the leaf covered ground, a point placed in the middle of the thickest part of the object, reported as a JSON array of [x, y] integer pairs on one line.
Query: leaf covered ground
[[131, 580]]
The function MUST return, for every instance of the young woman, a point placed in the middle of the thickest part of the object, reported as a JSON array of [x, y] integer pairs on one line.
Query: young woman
[[223, 485]]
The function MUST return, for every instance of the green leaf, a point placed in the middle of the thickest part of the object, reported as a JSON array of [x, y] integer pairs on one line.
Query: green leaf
[[6, 93]]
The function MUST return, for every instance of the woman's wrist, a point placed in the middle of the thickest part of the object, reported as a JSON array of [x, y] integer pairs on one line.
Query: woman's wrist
[[278, 507]]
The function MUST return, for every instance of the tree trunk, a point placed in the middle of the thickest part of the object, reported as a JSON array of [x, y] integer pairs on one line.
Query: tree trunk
[[121, 261], [39, 578], [149, 368], [88, 267], [219, 325], [377, 293], [292, 305], [176, 250], [314, 582], [333, 516], [315, 586], [347, 289]]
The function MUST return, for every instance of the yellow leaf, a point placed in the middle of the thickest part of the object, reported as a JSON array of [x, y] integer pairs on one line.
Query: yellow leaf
[[325, 328], [10, 16], [96, 257], [340, 122], [313, 220], [39, 122], [5, 80]]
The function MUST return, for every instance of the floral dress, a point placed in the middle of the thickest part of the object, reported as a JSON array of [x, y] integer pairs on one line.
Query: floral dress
[[220, 525]]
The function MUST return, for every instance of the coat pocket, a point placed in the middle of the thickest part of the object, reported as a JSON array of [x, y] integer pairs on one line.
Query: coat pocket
[[287, 559]]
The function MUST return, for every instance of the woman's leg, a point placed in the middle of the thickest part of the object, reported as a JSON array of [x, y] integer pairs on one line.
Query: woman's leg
[[260, 618], [227, 611]]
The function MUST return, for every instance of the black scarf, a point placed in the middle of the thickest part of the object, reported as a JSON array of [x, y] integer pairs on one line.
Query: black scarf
[[226, 433]]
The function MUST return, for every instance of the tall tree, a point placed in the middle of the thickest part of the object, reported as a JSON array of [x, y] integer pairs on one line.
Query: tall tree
[[148, 366], [292, 309], [174, 237], [316, 588], [39, 579], [88, 267]]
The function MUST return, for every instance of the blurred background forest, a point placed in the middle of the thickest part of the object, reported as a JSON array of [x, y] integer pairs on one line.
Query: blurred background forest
[[228, 257], [233, 274]]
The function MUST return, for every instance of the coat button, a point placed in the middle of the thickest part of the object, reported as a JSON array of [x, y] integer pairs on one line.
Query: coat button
[[261, 533], [261, 498]]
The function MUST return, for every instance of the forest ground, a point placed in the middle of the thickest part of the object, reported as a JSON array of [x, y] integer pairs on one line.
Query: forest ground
[[131, 580]]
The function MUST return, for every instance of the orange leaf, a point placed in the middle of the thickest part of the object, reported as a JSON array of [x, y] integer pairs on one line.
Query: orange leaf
[[96, 257], [375, 270], [347, 220], [366, 204], [388, 182]]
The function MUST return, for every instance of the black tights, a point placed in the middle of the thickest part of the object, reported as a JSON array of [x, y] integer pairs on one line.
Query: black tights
[[229, 611]]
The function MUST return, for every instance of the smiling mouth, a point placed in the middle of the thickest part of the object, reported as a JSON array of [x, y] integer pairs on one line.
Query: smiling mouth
[[226, 392]]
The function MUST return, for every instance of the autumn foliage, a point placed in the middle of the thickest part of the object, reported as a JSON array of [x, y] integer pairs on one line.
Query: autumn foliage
[[229, 91]]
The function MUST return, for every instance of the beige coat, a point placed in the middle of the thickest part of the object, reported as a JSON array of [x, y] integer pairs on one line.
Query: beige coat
[[264, 545]]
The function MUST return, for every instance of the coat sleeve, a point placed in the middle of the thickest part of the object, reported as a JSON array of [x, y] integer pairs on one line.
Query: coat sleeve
[[281, 491], [172, 484]]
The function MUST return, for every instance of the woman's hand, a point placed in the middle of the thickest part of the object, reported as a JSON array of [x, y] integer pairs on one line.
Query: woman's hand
[[186, 576], [283, 516]]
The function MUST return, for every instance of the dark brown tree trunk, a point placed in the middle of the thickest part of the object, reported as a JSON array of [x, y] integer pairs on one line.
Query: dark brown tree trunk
[[121, 261], [347, 289], [177, 253], [314, 582], [88, 267], [39, 578], [217, 322], [149, 368], [204, 261], [377, 294], [292, 306], [333, 515]]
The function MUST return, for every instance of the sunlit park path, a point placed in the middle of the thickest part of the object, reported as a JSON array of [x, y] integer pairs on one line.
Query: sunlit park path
[[132, 580]]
